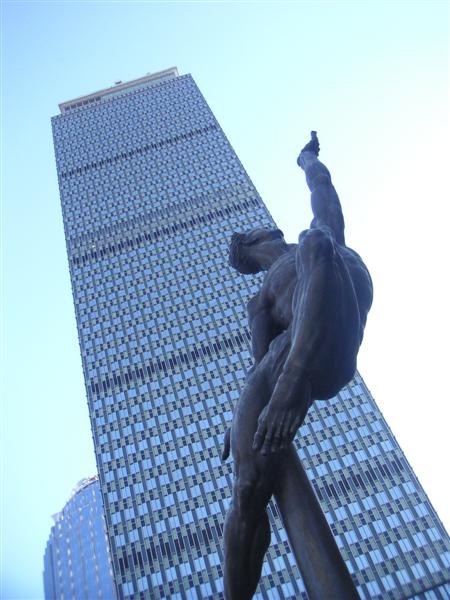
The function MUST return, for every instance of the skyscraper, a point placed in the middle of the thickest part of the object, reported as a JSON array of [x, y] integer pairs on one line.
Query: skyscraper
[[77, 563], [151, 193]]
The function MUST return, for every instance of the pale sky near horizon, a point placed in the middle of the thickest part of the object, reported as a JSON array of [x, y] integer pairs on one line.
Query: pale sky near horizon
[[371, 77]]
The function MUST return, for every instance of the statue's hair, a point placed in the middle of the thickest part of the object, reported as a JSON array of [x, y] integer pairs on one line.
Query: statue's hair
[[235, 249], [238, 258]]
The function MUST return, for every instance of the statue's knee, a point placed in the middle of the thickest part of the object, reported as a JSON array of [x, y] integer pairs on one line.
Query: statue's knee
[[244, 490], [311, 238], [316, 243], [248, 496]]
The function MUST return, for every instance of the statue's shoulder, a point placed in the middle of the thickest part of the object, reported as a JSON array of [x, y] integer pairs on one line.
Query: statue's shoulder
[[288, 256], [283, 266]]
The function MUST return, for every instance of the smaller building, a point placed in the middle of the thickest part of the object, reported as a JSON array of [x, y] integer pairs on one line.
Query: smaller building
[[77, 562]]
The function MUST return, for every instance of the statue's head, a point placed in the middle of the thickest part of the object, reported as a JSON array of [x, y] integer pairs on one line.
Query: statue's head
[[255, 250]]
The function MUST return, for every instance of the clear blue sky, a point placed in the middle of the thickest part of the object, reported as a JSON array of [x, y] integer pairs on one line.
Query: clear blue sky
[[371, 77]]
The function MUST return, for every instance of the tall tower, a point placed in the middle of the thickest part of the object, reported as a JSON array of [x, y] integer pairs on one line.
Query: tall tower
[[77, 563], [151, 192]]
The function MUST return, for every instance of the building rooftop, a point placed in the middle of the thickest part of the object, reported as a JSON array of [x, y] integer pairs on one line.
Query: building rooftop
[[118, 86], [81, 485]]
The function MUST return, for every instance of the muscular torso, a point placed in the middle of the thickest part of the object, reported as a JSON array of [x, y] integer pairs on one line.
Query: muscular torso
[[278, 288], [270, 312]]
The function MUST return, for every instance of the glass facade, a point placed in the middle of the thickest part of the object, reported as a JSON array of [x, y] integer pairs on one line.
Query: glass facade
[[77, 563], [151, 192]]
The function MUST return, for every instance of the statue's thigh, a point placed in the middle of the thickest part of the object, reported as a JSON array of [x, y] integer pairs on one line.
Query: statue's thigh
[[256, 394]]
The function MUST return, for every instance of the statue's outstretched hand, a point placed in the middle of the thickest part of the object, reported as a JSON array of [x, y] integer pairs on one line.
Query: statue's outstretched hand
[[312, 146]]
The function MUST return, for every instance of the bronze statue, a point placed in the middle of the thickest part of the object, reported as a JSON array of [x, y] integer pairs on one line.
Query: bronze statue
[[307, 324]]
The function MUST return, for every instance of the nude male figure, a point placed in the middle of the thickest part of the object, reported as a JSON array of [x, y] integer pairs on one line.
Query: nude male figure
[[307, 324]]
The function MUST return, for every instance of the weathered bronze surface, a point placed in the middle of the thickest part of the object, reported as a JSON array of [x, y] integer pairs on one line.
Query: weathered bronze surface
[[307, 323]]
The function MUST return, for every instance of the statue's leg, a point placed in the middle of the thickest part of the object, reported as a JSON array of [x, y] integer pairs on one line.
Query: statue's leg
[[247, 530], [325, 335], [326, 320]]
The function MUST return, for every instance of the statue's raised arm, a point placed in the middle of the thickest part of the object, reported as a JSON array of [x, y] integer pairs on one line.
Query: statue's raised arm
[[325, 203]]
